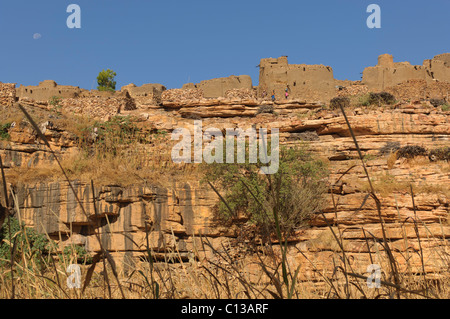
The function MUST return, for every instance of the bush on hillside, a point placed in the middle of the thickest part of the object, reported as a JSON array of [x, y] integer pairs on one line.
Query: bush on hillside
[[411, 151], [292, 194], [381, 98], [27, 242], [339, 101], [440, 154]]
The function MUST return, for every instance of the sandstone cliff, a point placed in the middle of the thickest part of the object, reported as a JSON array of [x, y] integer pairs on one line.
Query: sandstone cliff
[[174, 215]]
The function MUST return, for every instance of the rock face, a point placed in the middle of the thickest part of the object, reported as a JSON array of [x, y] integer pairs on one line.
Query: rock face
[[123, 217], [174, 217]]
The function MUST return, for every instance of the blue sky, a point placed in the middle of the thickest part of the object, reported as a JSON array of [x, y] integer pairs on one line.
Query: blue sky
[[175, 42]]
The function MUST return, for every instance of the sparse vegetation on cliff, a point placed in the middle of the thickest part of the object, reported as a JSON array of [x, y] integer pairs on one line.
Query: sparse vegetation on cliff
[[440, 154], [381, 98], [18, 241], [411, 151], [4, 134], [265, 109], [55, 102], [294, 193], [378, 99], [437, 102], [339, 101]]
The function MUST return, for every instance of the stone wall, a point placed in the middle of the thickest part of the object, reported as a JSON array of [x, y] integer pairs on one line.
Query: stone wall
[[7, 93], [94, 103], [98, 106], [310, 82]]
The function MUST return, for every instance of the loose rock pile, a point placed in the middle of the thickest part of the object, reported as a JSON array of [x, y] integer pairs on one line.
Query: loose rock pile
[[353, 90], [7, 93], [98, 107], [420, 90], [181, 95], [240, 94]]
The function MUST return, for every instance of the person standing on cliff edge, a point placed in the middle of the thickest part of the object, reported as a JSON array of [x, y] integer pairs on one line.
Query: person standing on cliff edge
[[273, 96]]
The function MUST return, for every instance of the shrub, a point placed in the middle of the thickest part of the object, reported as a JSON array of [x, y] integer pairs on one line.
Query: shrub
[[77, 254], [440, 154], [364, 100], [293, 194], [55, 101], [411, 151], [389, 147], [376, 99], [265, 109], [436, 102], [381, 98], [445, 107], [339, 101], [4, 131], [27, 242], [305, 136]]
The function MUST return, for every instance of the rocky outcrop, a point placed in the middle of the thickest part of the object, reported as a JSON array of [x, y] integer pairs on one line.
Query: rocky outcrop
[[122, 216], [174, 217], [226, 108], [129, 220]]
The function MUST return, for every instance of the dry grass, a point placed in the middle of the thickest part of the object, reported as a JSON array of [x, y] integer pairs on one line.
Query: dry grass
[[221, 277], [386, 184], [121, 153], [126, 170]]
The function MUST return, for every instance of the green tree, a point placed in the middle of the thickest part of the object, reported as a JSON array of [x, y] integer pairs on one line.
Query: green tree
[[105, 80]]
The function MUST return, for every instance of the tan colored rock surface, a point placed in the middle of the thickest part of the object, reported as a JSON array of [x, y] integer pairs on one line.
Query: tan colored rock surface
[[178, 217]]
